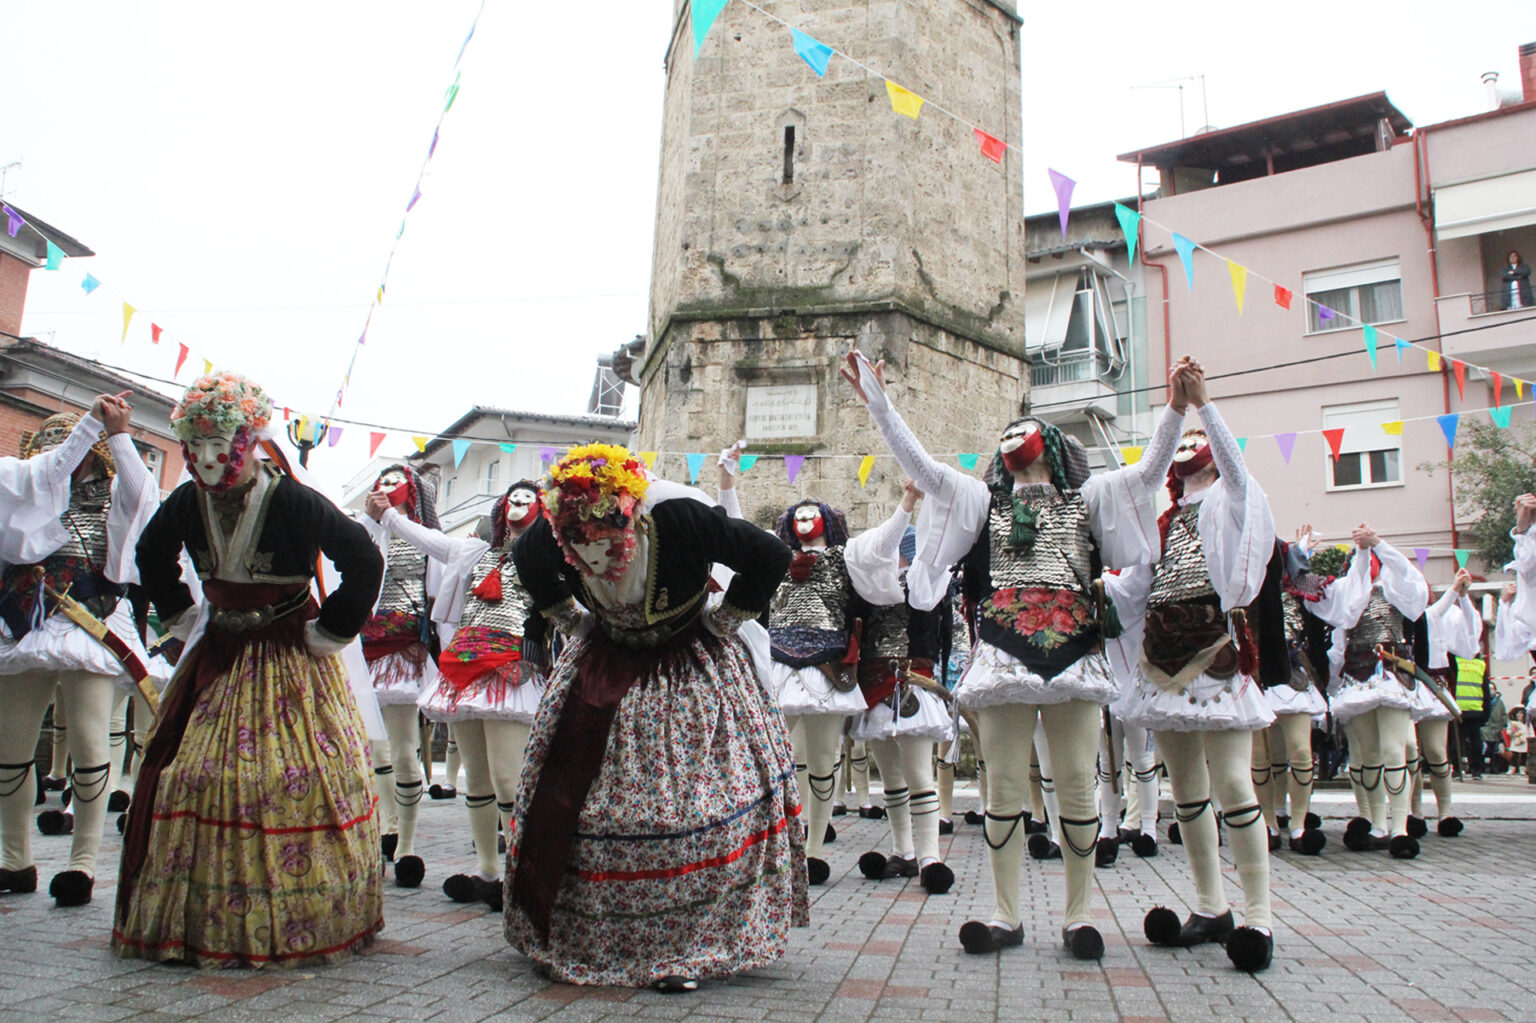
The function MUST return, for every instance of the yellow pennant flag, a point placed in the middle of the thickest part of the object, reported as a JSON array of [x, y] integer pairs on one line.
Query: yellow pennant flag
[[207, 367], [128, 312], [649, 457], [1434, 362], [1131, 453], [905, 103], [421, 443], [1395, 427], [380, 299], [1519, 388], [867, 464], [1239, 283]]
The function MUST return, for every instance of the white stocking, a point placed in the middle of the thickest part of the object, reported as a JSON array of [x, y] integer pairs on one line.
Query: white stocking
[[817, 741], [1433, 747], [505, 744], [60, 765], [405, 794], [858, 768], [383, 786], [1296, 732], [452, 760], [479, 796], [26, 700], [117, 739]]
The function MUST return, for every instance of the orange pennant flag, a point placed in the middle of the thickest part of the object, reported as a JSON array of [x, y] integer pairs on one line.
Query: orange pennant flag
[[1459, 369], [1335, 438], [905, 103], [1239, 283], [1496, 382]]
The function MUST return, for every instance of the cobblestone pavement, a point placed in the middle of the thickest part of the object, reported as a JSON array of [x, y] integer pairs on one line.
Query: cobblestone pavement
[[1359, 937]]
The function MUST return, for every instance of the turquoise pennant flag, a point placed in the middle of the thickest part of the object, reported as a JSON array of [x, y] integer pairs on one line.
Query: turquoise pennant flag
[[1130, 223], [1242, 444], [1500, 416], [1370, 343], [814, 52], [55, 256], [695, 463], [1461, 556], [90, 284], [747, 461], [508, 448], [460, 448], [704, 14], [1448, 427], [1402, 346], [1186, 249], [968, 460]]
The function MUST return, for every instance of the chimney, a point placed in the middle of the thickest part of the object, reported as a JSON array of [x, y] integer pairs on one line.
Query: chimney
[[1528, 72], [1491, 89]]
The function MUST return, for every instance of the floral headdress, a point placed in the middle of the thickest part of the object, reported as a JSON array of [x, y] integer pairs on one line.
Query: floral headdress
[[219, 405], [593, 491]]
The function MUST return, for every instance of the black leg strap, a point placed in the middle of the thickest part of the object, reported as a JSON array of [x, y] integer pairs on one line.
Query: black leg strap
[[925, 802], [13, 777], [822, 785], [1012, 820], [89, 783], [1186, 812], [1370, 786], [1243, 816], [1304, 775], [1070, 841], [476, 802], [408, 793], [1438, 769], [1386, 779], [897, 797]]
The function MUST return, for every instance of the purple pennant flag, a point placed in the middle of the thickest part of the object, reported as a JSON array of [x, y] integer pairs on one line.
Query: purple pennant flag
[[13, 221], [333, 435], [433, 147], [548, 455], [1063, 186], [1421, 555], [1287, 442], [792, 464], [415, 198], [1324, 313]]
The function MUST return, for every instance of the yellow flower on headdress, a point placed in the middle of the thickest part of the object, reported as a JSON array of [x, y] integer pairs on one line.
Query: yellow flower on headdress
[[593, 480]]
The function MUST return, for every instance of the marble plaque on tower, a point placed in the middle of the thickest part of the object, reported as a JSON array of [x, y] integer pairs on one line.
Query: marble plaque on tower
[[777, 411]]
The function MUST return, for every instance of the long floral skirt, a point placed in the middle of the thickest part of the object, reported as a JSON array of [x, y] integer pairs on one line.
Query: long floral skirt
[[687, 858], [257, 843]]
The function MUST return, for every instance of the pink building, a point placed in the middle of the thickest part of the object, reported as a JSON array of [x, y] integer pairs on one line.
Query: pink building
[[1353, 207]]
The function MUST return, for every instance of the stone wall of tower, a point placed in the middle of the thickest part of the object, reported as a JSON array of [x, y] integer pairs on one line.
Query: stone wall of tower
[[891, 234]]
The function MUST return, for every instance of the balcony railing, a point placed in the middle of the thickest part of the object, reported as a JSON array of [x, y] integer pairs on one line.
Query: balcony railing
[[1069, 368], [1493, 302]]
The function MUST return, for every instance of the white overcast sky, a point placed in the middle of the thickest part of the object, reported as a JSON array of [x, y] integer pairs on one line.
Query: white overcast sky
[[240, 170]]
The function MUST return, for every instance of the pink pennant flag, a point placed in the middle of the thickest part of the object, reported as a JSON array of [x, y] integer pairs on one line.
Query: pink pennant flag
[[1287, 442], [181, 359], [792, 464], [1063, 186], [375, 438], [992, 147]]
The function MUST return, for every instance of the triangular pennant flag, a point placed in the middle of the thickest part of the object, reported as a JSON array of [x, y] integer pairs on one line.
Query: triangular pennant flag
[[1287, 442], [1461, 556], [1324, 314], [1242, 444], [421, 443], [460, 449], [154, 332], [13, 221], [1500, 417], [508, 448], [286, 413], [792, 464], [1130, 225], [1131, 453], [1369, 333], [746, 462], [332, 435], [812, 51], [1421, 555], [968, 460], [128, 312], [375, 438], [181, 358], [1519, 389], [400, 231], [415, 198], [55, 256], [865, 466], [1282, 297], [1186, 250], [903, 101], [649, 458], [1402, 346], [695, 463], [90, 284], [1062, 186], [1496, 384], [1459, 370], [1394, 427], [704, 13], [548, 454], [1433, 361], [433, 147], [1239, 283], [452, 94], [1448, 427], [992, 147], [1335, 437], [207, 367]]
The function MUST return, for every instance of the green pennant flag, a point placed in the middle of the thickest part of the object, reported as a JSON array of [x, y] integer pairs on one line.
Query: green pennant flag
[[1130, 224], [55, 256], [1461, 557], [968, 460]]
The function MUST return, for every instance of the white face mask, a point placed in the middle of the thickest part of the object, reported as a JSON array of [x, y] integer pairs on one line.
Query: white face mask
[[51, 438], [805, 520], [210, 456], [390, 482], [1188, 448], [1017, 436], [595, 557], [518, 505]]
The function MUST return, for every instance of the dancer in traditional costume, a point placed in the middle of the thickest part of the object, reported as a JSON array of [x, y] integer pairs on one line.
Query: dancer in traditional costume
[[491, 672], [252, 838], [908, 710], [398, 641], [1127, 799], [656, 840], [1455, 630], [71, 509], [1034, 537], [1190, 664], [1378, 601]]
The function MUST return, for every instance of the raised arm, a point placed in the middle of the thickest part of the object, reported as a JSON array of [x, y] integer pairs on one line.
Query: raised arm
[[60, 463], [433, 543], [1403, 584], [869, 384], [873, 557], [1152, 470], [725, 493]]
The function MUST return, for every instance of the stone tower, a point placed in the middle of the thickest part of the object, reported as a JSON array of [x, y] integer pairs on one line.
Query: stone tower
[[799, 217]]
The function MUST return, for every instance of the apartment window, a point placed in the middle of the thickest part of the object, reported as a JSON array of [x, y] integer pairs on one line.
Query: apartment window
[[1347, 296], [492, 476], [1368, 455], [154, 460], [448, 491]]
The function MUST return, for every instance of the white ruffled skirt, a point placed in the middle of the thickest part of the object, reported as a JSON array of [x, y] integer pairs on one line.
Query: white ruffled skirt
[[1426, 707], [1206, 705], [932, 721], [396, 680], [802, 692], [995, 677], [1285, 700], [439, 701], [1349, 699], [61, 645]]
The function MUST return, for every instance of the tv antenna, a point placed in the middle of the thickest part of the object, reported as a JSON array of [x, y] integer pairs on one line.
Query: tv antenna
[[1179, 83], [5, 172]]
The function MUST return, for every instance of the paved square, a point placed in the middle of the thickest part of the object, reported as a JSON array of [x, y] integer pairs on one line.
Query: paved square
[[1360, 938]]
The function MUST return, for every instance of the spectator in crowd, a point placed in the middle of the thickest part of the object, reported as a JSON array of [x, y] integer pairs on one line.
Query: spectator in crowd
[[1472, 697], [1517, 738], [1493, 732]]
